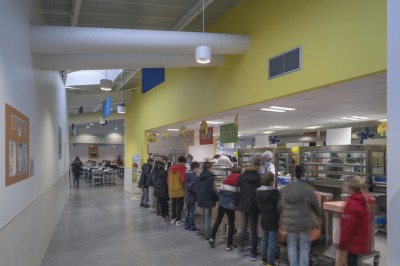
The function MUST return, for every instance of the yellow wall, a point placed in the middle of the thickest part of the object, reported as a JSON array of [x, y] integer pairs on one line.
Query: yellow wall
[[341, 40]]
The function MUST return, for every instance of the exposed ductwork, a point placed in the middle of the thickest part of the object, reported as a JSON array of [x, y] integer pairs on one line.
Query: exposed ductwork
[[60, 48]]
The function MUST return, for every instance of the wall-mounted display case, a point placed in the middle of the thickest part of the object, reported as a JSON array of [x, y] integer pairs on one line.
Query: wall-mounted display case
[[282, 158], [330, 165]]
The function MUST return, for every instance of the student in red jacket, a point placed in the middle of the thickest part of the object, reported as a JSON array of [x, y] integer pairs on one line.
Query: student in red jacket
[[355, 226]]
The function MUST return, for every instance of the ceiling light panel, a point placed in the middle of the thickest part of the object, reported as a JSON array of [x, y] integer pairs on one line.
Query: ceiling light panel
[[350, 118], [268, 132], [313, 127], [282, 108], [280, 127], [272, 110], [173, 129]]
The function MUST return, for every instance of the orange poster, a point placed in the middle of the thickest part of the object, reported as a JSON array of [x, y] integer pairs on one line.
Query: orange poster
[[17, 146], [93, 152]]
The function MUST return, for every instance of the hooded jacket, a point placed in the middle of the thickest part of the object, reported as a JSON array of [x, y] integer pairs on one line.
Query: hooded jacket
[[298, 207], [146, 170], [355, 226], [248, 182], [206, 194], [267, 199], [152, 179], [191, 184], [176, 178], [161, 185], [228, 195]]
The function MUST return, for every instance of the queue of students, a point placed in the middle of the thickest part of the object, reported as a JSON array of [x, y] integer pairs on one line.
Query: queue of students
[[294, 211]]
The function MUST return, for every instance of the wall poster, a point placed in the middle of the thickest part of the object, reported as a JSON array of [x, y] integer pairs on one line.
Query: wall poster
[[189, 139], [93, 152], [59, 143], [207, 138], [17, 146]]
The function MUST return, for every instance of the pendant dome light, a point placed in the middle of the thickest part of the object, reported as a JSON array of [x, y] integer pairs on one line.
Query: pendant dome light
[[121, 108], [203, 52], [106, 84]]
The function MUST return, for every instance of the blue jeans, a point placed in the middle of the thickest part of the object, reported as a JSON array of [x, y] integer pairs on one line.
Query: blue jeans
[[268, 245], [206, 223], [190, 214], [253, 226], [298, 247], [145, 196]]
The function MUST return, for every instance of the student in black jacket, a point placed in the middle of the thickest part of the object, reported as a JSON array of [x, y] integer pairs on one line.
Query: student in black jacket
[[161, 192], [248, 182], [267, 198], [146, 170]]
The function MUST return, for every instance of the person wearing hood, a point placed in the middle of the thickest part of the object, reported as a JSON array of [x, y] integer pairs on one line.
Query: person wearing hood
[[299, 214], [355, 225], [161, 191], [228, 200], [151, 181], [248, 182], [146, 170], [267, 198], [206, 196], [266, 164], [176, 179], [191, 184]]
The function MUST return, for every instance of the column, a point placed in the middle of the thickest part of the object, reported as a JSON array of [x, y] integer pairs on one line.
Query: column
[[393, 141]]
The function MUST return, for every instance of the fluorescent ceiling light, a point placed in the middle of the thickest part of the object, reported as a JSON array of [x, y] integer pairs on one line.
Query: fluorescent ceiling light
[[313, 127], [272, 110], [87, 126], [280, 127], [282, 108], [350, 118], [383, 120], [213, 122], [91, 124], [268, 132], [116, 128], [173, 129], [359, 117]]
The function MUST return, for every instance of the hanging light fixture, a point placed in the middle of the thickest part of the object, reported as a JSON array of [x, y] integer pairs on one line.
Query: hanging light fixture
[[106, 84], [121, 108], [203, 52]]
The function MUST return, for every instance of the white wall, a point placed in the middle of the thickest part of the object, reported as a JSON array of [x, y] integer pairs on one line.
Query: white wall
[[30, 209], [106, 152], [169, 146], [200, 152], [112, 138]]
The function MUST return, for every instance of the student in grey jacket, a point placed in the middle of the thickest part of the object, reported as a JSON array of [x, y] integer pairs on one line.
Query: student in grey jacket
[[299, 213]]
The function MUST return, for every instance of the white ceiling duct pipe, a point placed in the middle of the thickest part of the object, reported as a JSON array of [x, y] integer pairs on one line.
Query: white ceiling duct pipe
[[86, 40], [116, 61]]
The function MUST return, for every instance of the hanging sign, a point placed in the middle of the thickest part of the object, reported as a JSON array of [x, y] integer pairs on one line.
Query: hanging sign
[[228, 133], [189, 139], [207, 137], [93, 152], [182, 132]]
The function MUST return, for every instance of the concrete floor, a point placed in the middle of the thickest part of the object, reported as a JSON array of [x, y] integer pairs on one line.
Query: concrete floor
[[102, 226]]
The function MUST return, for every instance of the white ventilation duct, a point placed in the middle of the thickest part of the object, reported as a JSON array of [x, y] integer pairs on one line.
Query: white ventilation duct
[[116, 61], [60, 48]]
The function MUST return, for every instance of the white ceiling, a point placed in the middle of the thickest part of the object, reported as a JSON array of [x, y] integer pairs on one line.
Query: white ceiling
[[322, 107]]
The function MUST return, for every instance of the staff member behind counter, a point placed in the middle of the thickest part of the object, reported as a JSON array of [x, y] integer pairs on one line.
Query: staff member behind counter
[[266, 164]]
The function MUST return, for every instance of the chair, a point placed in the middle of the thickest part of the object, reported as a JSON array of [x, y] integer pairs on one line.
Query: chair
[[112, 176], [97, 175]]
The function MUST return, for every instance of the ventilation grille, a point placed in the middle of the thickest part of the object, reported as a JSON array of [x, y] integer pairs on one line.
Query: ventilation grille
[[285, 63]]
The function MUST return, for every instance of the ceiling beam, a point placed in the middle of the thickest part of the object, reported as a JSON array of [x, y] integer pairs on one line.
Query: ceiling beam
[[75, 13], [132, 73], [191, 15], [55, 13]]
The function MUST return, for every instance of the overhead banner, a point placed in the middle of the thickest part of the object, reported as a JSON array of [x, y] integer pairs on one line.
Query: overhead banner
[[228, 133], [207, 138], [189, 139]]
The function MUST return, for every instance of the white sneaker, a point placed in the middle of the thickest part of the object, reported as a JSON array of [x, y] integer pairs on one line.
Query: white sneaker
[[179, 223], [173, 221]]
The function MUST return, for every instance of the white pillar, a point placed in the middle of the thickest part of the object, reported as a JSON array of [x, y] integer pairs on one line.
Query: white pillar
[[393, 141]]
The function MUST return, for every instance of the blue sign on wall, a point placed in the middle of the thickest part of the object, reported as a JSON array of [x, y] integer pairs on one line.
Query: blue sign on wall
[[152, 77]]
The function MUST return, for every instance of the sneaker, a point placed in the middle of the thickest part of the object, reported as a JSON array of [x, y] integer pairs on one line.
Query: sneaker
[[146, 206], [193, 229], [253, 257], [211, 241], [179, 223], [151, 209], [230, 247], [173, 221], [141, 205], [264, 262]]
